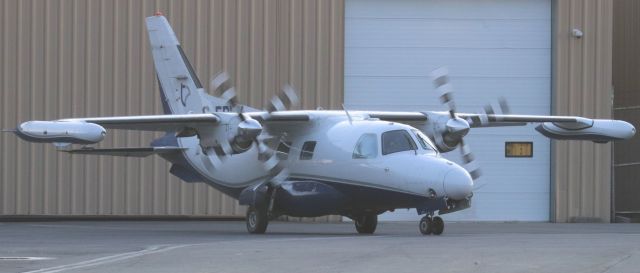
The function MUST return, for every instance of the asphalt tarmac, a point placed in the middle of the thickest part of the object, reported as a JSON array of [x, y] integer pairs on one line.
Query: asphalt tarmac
[[213, 246]]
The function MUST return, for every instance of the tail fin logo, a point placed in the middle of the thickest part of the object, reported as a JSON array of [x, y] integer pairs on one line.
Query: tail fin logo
[[184, 98]]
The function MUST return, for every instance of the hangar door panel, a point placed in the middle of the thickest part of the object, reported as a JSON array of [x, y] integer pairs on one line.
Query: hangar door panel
[[492, 48]]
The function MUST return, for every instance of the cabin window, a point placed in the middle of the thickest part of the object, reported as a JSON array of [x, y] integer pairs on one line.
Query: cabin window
[[397, 141], [307, 150], [282, 152], [367, 147], [424, 141]]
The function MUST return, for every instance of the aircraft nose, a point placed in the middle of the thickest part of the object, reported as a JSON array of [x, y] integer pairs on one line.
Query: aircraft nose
[[458, 184]]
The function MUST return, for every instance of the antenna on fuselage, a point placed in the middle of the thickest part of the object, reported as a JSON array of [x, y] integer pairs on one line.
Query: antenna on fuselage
[[348, 115]]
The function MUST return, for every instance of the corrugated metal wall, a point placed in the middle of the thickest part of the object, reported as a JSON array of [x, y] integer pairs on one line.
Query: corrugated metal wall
[[582, 86], [626, 81], [91, 58]]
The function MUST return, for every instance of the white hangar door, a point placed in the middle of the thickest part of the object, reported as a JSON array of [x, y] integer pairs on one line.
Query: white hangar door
[[492, 48]]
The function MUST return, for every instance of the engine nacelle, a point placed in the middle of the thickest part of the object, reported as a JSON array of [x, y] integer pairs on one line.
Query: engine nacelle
[[248, 130], [446, 132], [61, 132], [597, 130]]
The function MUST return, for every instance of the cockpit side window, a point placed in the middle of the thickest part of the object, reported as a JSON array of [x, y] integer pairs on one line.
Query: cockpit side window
[[307, 150], [397, 141], [282, 152], [367, 147], [424, 141]]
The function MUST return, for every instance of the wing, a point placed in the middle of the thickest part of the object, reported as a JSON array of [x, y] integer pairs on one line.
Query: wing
[[153, 122], [284, 116], [127, 152], [475, 120], [216, 131], [403, 117], [210, 128], [447, 131], [560, 127], [493, 120]]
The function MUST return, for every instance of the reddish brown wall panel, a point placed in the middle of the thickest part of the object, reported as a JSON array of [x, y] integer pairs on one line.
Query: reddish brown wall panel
[[582, 86]]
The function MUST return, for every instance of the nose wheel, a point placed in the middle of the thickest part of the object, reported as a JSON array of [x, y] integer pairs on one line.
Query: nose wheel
[[431, 225]]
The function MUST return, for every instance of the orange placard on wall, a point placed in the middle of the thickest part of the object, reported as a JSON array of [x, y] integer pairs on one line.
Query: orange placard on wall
[[518, 149]]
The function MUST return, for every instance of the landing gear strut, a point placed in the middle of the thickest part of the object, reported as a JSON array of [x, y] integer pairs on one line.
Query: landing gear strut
[[366, 223], [257, 220], [431, 225]]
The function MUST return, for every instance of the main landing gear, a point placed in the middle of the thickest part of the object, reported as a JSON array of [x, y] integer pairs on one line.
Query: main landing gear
[[260, 208], [431, 225], [257, 220], [366, 223]]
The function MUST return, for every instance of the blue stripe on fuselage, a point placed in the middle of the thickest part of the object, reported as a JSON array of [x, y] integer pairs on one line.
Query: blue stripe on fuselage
[[352, 199]]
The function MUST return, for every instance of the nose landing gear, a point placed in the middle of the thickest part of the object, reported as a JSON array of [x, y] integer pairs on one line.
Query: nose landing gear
[[431, 225]]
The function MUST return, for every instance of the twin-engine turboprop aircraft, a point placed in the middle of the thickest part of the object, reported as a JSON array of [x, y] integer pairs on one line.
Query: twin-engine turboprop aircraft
[[357, 164]]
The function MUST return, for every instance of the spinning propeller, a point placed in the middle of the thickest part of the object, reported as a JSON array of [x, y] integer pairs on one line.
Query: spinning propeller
[[250, 131], [222, 88], [285, 100], [456, 128]]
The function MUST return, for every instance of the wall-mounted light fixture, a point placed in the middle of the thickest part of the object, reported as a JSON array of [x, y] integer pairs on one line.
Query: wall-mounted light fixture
[[577, 33]]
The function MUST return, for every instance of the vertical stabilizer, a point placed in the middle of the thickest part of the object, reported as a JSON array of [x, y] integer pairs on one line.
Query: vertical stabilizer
[[181, 90]]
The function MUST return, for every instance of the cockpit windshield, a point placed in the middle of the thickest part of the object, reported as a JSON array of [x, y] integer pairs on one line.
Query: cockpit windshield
[[424, 141], [397, 141]]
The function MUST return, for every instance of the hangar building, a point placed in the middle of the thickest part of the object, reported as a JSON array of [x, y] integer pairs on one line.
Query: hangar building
[[91, 58]]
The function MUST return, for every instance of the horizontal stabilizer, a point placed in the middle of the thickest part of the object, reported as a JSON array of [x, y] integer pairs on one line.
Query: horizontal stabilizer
[[130, 152]]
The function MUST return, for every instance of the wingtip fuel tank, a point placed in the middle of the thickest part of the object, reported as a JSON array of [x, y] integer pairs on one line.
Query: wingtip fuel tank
[[597, 130], [61, 132]]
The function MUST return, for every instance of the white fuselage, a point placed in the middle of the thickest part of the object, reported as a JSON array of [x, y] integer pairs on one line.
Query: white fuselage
[[419, 171]]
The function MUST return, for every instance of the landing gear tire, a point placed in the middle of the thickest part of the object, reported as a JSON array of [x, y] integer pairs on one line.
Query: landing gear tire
[[257, 220], [426, 225], [366, 224], [437, 225], [431, 225]]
